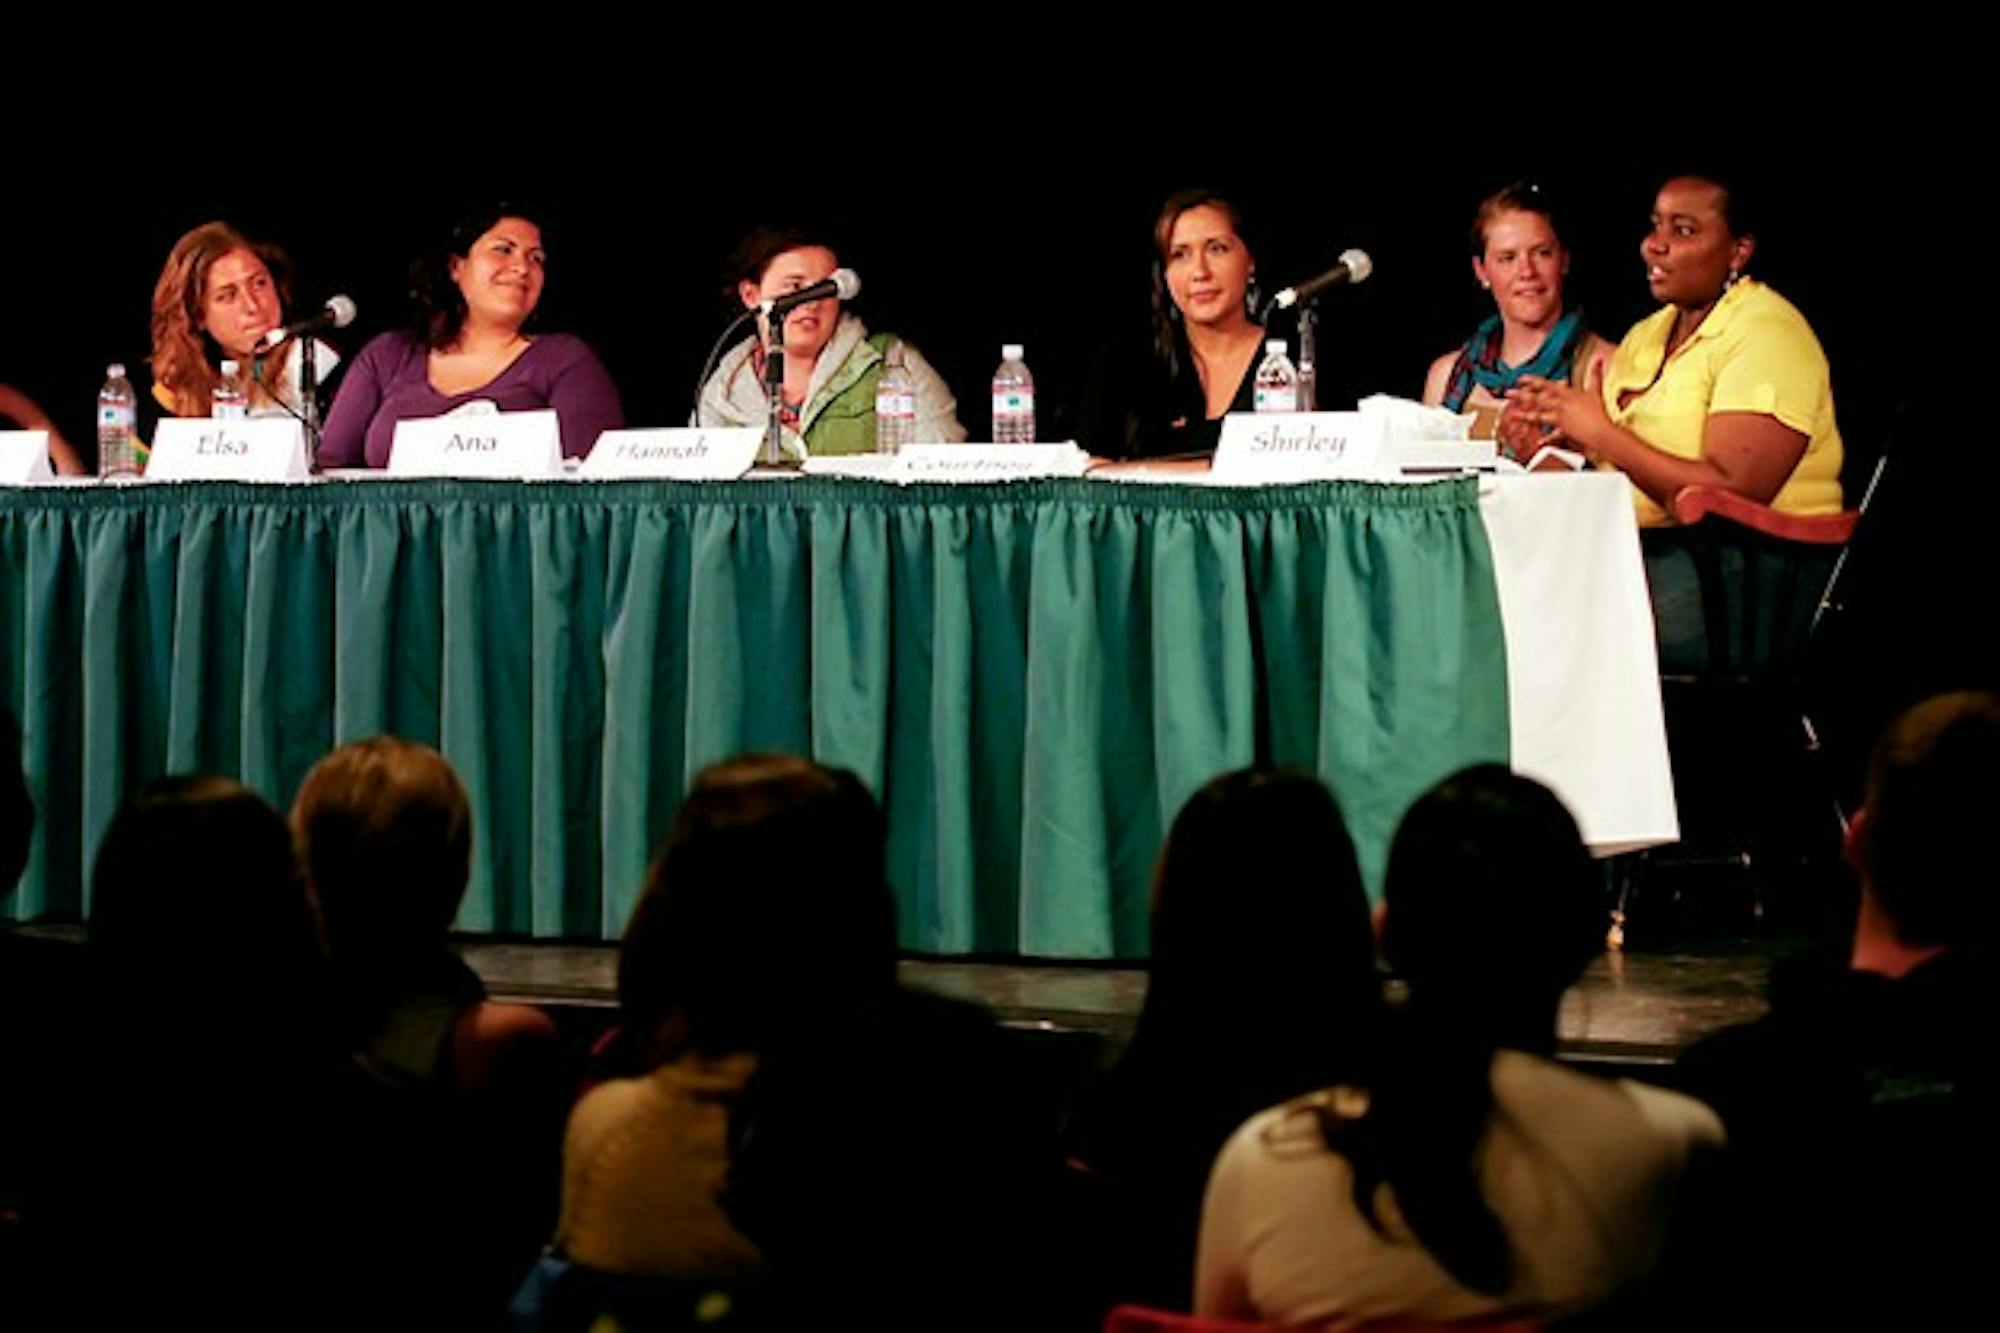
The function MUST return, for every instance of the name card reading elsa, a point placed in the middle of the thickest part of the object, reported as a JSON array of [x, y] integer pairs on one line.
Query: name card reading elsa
[[24, 458], [1299, 446], [507, 446], [676, 454], [228, 449]]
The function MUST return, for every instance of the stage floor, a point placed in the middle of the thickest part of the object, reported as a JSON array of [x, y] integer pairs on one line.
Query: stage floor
[[1638, 1006]]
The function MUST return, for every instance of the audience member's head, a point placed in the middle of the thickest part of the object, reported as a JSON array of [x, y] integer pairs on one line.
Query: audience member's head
[[384, 835], [1922, 841], [17, 812], [1261, 939], [767, 908], [198, 908], [1492, 906]]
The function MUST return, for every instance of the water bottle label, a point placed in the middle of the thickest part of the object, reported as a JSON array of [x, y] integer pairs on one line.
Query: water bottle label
[[895, 405], [1014, 401], [1277, 399]]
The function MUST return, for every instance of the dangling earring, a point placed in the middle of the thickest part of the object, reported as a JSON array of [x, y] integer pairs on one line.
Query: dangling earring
[[1252, 298], [1734, 277]]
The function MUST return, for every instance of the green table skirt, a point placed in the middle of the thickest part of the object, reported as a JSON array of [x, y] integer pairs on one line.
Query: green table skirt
[[1032, 677]]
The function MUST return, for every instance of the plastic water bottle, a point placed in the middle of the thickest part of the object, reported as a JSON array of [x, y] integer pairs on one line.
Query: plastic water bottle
[[1013, 398], [117, 425], [1277, 381], [229, 402], [895, 405]]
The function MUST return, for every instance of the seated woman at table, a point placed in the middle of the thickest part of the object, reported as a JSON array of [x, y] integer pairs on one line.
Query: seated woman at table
[[1725, 385], [218, 296], [475, 298], [1519, 257], [832, 362], [1169, 397], [18, 411]]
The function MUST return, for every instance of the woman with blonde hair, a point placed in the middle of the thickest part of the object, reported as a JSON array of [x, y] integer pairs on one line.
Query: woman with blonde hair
[[218, 297]]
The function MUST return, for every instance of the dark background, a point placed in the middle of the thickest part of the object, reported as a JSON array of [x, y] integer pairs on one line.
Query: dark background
[[984, 203]]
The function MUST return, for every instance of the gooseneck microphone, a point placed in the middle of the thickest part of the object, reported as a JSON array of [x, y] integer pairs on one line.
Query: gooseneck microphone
[[843, 284], [1354, 266], [337, 313]]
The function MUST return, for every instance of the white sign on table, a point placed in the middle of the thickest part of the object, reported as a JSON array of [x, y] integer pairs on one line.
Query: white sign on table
[[24, 457], [987, 462], [235, 449], [1300, 446], [679, 453], [506, 446]]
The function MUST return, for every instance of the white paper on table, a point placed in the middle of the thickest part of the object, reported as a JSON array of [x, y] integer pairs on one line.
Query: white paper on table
[[1298, 446], [229, 449], [24, 458], [513, 446], [683, 453]]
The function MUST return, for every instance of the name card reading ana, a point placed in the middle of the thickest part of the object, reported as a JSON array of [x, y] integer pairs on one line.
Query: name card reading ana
[[987, 462], [679, 454], [1299, 446], [24, 457], [508, 446], [204, 449]]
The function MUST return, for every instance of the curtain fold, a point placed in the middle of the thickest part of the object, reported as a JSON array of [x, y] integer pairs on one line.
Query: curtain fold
[[1032, 677]]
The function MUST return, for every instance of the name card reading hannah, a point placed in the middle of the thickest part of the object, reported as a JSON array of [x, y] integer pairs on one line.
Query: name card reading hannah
[[238, 449], [24, 457], [1299, 446], [681, 453], [986, 462], [509, 446]]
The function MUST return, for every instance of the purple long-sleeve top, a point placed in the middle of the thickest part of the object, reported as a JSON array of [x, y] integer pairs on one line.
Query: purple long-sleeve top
[[390, 381]]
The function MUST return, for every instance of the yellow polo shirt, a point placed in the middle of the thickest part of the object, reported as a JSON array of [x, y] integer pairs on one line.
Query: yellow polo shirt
[[1754, 353]]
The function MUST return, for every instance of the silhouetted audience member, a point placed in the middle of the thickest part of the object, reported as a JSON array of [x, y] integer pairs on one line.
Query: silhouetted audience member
[[469, 1094], [1262, 986], [805, 1132], [205, 1173], [1860, 1109], [1469, 1175]]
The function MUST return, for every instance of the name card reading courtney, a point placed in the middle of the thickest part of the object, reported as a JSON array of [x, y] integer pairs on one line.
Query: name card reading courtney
[[204, 449], [680, 453], [987, 462], [1299, 446], [24, 457], [512, 446]]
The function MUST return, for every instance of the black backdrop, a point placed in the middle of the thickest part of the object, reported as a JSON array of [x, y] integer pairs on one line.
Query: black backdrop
[[984, 204]]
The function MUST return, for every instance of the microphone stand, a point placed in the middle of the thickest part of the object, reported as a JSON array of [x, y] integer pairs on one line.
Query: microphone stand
[[1308, 355], [309, 399], [773, 453]]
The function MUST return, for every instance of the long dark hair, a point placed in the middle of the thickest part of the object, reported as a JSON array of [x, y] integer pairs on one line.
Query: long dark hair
[[438, 304], [767, 910], [1494, 909], [1263, 972], [1169, 338]]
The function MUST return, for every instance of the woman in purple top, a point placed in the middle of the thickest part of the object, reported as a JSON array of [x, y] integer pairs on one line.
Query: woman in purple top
[[474, 301]]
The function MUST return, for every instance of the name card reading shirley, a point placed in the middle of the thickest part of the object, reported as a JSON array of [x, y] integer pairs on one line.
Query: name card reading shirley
[[1299, 446], [24, 457], [508, 446], [680, 454], [237, 449]]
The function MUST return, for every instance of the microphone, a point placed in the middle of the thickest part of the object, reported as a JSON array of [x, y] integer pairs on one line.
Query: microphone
[[337, 313], [1354, 266], [843, 284]]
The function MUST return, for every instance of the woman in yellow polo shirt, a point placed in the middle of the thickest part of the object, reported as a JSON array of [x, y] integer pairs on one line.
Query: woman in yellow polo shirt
[[1725, 385]]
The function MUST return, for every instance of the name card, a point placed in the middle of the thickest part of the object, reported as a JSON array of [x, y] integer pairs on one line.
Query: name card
[[238, 449], [508, 446], [1300, 446], [24, 457], [681, 453], [987, 462]]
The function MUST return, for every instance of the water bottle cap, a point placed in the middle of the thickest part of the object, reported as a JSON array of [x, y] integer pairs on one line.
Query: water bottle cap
[[1012, 351], [229, 368], [1275, 346], [115, 371]]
